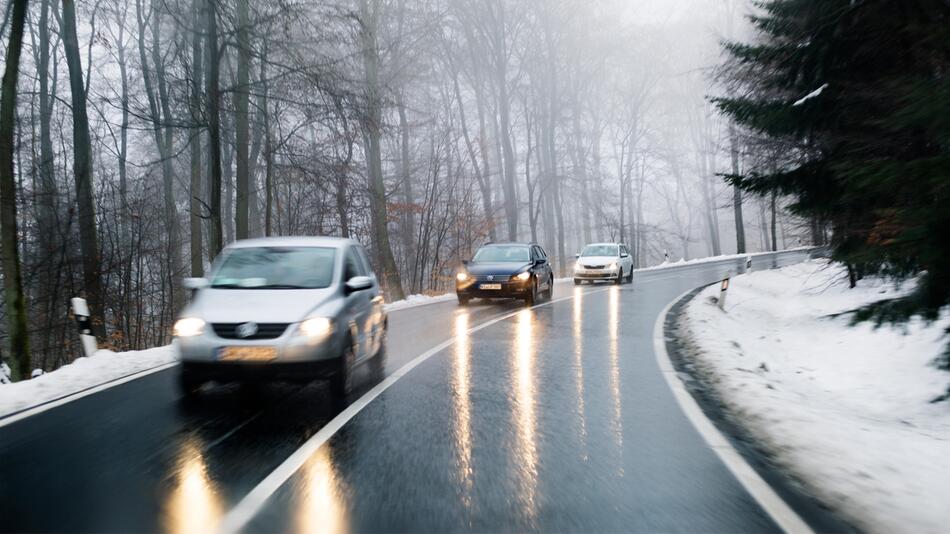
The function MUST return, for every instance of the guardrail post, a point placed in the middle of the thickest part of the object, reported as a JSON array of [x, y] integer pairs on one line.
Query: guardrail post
[[748, 264], [722, 293], [81, 311]]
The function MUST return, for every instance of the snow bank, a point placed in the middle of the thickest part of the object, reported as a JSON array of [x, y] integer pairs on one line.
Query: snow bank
[[418, 300], [83, 373], [846, 409], [709, 259]]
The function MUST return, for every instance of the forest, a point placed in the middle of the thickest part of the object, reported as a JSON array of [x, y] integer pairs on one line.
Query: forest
[[139, 137]]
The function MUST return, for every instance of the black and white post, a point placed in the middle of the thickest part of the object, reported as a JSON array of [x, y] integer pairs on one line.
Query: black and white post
[[88, 340], [722, 293]]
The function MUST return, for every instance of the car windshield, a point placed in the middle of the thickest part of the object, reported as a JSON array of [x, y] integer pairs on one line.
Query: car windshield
[[600, 250], [276, 268], [514, 253]]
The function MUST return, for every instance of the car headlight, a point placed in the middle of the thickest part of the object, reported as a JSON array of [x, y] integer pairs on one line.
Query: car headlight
[[461, 277], [316, 327], [612, 266], [188, 327], [578, 266], [523, 276]]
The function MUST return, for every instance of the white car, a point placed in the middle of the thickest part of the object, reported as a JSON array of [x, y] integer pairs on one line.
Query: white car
[[604, 261], [283, 308]]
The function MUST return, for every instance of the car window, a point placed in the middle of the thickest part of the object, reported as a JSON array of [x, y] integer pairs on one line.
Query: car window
[[351, 266], [275, 268], [503, 253], [600, 250], [364, 259]]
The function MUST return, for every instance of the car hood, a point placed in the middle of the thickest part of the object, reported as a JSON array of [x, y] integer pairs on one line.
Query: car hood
[[508, 268], [597, 260], [257, 305]]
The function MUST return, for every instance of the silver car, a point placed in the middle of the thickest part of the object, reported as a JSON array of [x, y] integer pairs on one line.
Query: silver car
[[288, 309], [604, 261]]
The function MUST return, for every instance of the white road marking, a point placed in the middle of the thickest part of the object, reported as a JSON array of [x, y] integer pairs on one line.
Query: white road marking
[[251, 504], [39, 408], [771, 502]]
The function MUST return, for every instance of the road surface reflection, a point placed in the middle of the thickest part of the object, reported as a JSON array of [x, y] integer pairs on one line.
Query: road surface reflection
[[578, 333], [463, 404], [526, 460], [194, 505], [613, 326], [321, 507]]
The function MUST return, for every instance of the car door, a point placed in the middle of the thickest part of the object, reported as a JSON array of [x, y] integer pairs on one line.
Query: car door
[[542, 269], [377, 315], [358, 304], [626, 259]]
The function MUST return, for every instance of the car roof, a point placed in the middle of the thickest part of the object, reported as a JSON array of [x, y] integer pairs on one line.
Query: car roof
[[508, 244], [600, 244], [293, 241]]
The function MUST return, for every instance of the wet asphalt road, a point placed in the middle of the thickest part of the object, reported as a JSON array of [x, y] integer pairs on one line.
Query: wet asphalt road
[[555, 419]]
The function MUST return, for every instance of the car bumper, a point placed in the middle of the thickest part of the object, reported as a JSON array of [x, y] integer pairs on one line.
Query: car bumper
[[508, 289], [596, 274], [256, 371], [291, 348]]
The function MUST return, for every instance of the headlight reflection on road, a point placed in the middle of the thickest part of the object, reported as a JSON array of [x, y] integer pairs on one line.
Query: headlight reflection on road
[[578, 331], [613, 328], [463, 404], [321, 508], [524, 416], [194, 505]]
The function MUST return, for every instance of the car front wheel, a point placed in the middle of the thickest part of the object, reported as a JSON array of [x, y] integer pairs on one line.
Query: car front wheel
[[341, 383]]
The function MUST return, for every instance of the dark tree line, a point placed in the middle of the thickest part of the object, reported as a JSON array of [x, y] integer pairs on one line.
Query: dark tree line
[[847, 104]]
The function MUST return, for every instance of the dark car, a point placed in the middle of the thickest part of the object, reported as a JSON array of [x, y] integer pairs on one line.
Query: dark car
[[506, 270]]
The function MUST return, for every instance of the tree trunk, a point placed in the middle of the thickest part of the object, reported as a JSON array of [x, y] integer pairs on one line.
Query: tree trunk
[[213, 94], [82, 170], [372, 123], [9, 244], [774, 236], [736, 192], [195, 186], [241, 97]]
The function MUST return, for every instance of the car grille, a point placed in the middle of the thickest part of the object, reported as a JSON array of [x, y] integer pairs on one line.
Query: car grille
[[494, 278], [594, 266], [264, 330]]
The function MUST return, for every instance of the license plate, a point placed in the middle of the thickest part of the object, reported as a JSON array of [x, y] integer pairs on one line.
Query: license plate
[[489, 286], [247, 354]]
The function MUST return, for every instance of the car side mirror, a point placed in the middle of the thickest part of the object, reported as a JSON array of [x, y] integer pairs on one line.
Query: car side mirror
[[625, 255], [358, 283], [540, 261], [577, 256], [464, 262], [196, 283]]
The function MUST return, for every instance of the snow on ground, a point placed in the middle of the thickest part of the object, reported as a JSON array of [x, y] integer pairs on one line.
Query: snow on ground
[[81, 374], [708, 259], [846, 409], [418, 300]]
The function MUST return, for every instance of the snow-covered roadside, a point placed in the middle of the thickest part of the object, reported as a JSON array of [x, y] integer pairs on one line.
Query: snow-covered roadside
[[417, 300], [708, 259], [845, 409], [104, 366]]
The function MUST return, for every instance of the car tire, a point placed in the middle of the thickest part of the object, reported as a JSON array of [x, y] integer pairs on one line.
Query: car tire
[[550, 293], [577, 282], [464, 300], [189, 384], [378, 362], [630, 276], [532, 298], [619, 279], [341, 383]]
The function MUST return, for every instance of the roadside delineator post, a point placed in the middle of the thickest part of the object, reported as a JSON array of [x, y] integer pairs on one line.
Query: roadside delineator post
[[81, 311], [748, 264], [722, 293]]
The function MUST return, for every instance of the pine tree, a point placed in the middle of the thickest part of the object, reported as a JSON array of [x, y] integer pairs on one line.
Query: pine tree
[[858, 94]]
